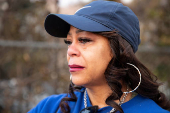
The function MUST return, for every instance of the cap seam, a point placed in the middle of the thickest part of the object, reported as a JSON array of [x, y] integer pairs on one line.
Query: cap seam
[[121, 32], [132, 32], [139, 32], [112, 13], [129, 41], [95, 20]]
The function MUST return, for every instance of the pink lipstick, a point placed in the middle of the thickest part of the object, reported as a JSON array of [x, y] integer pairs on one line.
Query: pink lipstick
[[74, 68]]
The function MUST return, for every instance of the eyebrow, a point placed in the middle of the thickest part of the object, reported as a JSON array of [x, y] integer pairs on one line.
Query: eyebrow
[[78, 31]]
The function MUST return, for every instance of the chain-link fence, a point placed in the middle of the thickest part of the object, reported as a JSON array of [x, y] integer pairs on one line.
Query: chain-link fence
[[33, 64], [31, 71]]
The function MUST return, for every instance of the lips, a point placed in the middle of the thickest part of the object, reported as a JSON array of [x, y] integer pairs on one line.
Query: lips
[[74, 68]]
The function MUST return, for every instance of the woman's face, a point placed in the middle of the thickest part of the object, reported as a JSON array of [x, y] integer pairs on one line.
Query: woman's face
[[88, 56]]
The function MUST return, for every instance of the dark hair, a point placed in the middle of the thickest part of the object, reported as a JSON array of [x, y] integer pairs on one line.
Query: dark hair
[[119, 70]]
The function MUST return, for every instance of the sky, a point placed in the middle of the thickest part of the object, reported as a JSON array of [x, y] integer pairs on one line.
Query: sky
[[65, 3]]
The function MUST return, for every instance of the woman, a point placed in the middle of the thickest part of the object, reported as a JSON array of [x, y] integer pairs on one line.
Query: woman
[[106, 76]]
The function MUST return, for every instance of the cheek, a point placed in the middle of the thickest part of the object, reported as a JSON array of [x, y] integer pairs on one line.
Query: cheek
[[68, 58], [103, 53], [99, 58]]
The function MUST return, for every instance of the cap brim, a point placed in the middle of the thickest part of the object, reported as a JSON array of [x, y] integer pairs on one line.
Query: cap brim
[[58, 25]]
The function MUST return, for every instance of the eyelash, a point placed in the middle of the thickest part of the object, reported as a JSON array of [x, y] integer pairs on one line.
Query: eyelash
[[81, 40], [67, 42]]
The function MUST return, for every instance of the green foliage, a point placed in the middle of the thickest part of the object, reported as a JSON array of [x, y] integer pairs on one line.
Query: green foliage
[[155, 16], [163, 71]]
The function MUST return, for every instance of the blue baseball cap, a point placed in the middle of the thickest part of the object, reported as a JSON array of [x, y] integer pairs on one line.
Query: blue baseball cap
[[98, 16]]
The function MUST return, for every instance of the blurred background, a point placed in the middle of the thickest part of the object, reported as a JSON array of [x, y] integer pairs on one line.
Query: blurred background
[[33, 64]]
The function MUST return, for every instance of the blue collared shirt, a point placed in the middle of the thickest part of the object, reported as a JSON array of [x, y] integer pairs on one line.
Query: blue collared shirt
[[138, 104]]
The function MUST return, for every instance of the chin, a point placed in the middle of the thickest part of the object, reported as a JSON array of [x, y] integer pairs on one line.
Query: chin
[[79, 82]]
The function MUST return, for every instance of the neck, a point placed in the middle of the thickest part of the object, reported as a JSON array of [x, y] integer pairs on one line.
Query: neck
[[98, 95]]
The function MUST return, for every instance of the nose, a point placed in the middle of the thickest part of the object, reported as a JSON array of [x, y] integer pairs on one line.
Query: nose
[[73, 50]]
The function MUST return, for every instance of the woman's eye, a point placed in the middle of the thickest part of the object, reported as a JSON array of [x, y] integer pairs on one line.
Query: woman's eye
[[67, 42], [84, 40]]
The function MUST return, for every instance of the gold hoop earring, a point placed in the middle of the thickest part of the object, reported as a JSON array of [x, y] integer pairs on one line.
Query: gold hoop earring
[[139, 80]]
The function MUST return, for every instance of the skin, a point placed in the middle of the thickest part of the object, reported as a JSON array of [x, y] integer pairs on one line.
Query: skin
[[94, 55]]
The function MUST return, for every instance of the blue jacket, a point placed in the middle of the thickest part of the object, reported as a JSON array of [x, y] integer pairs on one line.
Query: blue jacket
[[138, 104]]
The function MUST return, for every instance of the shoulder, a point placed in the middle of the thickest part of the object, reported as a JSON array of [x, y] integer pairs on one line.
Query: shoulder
[[140, 104], [51, 102]]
